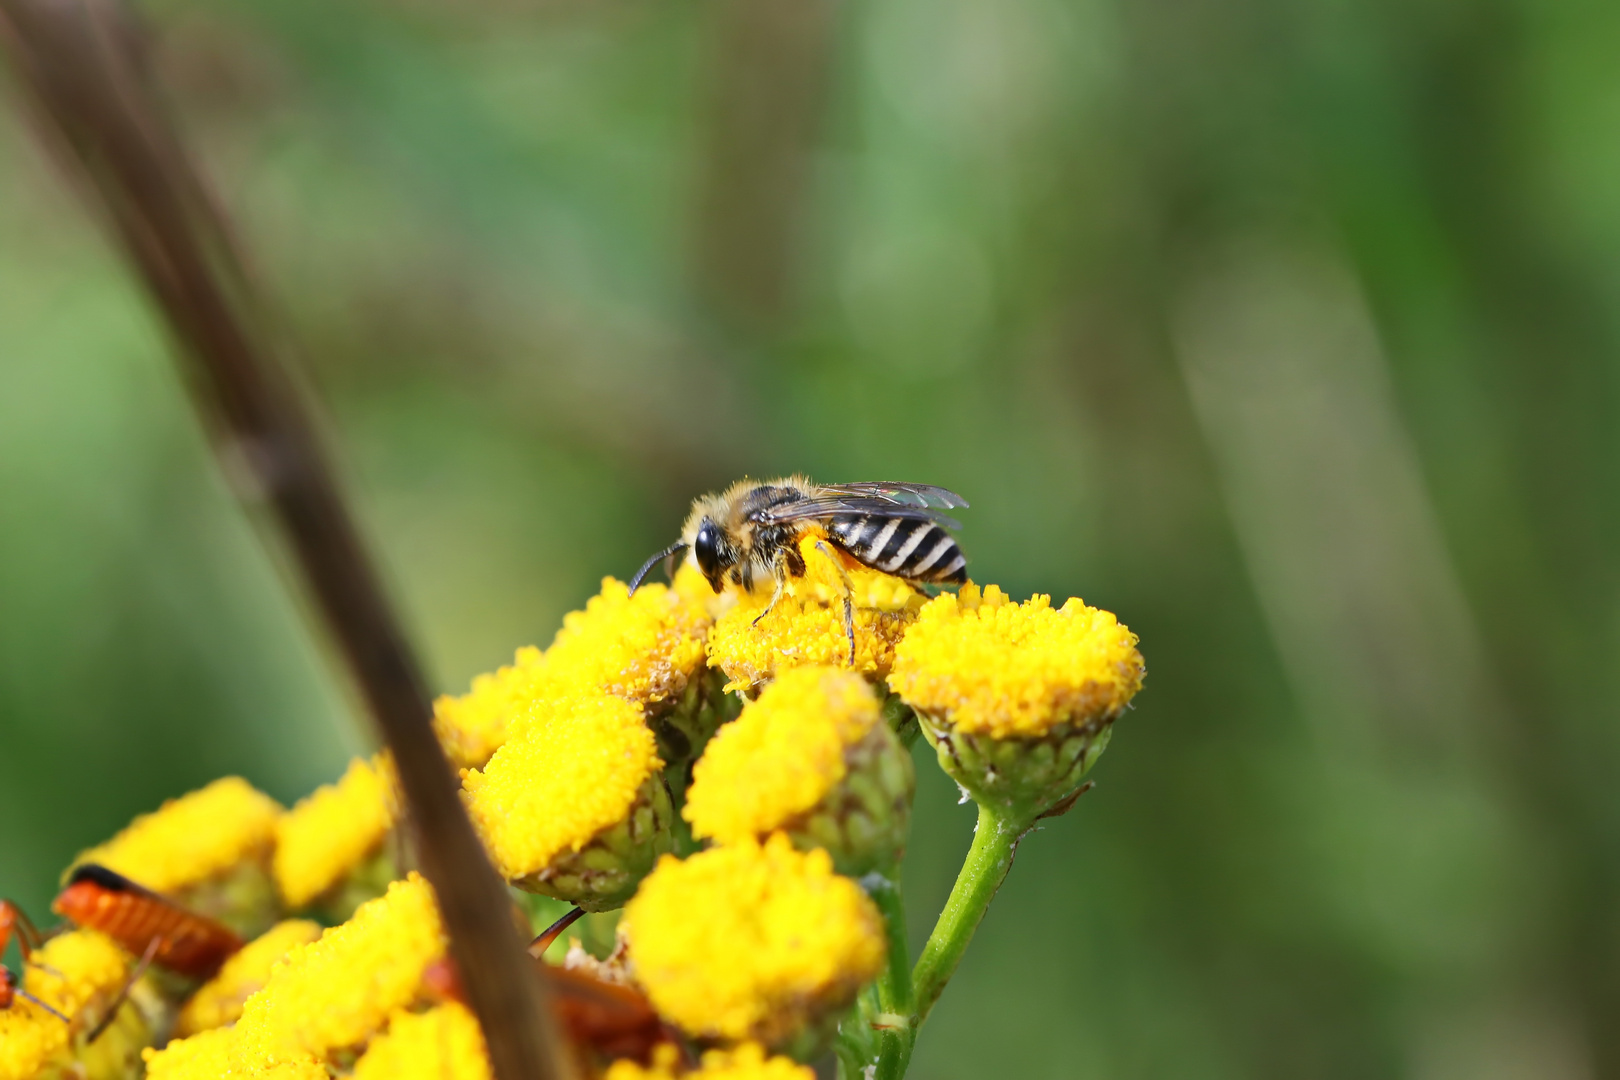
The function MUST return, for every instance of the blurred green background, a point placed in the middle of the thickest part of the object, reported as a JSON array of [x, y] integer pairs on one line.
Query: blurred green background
[[1288, 331]]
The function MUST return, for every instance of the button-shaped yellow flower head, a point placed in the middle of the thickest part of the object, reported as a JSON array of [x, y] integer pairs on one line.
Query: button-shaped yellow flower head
[[806, 625], [811, 757], [1017, 699], [329, 846], [443, 1043], [209, 849], [79, 974], [753, 941], [219, 1001], [332, 995], [646, 649], [474, 725], [747, 1062], [575, 806]]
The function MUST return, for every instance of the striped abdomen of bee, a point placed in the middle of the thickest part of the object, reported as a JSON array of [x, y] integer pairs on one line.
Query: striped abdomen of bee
[[145, 923], [912, 548]]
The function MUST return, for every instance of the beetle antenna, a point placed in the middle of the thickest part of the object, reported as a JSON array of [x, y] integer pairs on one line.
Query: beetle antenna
[[674, 549]]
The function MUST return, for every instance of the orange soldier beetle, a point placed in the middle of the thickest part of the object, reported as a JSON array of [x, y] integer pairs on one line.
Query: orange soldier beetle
[[151, 926], [609, 1018], [145, 923], [13, 921]]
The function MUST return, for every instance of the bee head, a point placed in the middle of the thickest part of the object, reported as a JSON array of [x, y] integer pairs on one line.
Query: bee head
[[706, 549]]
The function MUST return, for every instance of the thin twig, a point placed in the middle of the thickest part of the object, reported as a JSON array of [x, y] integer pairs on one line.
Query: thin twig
[[82, 61]]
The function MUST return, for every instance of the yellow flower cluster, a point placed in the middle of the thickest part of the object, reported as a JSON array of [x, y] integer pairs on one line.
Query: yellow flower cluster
[[576, 769], [747, 1062], [751, 941], [763, 941], [806, 625], [333, 830], [193, 838], [997, 668], [782, 755]]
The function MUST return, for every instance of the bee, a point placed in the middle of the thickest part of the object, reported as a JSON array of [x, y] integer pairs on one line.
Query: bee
[[751, 531]]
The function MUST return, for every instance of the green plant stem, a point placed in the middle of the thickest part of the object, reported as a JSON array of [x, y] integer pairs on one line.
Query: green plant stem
[[988, 860], [895, 993]]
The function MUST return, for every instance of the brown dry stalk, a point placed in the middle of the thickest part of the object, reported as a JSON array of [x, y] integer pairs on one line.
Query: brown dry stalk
[[83, 63]]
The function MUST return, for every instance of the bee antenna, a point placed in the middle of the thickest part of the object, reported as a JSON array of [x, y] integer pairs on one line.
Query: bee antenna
[[674, 549]]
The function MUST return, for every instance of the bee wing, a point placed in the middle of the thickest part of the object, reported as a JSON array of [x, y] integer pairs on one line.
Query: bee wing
[[917, 495], [827, 504]]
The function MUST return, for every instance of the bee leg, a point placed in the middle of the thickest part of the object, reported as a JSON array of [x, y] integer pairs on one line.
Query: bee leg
[[849, 626], [849, 603], [781, 580]]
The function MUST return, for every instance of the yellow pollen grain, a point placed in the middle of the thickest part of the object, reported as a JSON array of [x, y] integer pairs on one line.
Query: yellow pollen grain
[[444, 1043], [333, 830], [192, 838], [475, 724], [219, 1001], [336, 992], [751, 940], [643, 648], [748, 1061], [807, 624], [990, 666], [575, 770], [782, 755]]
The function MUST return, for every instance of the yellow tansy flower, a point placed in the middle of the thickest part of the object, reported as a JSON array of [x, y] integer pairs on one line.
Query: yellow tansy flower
[[444, 1043], [218, 1054], [192, 838], [747, 1062], [335, 993], [219, 1001], [752, 941], [330, 833], [215, 1055], [474, 725], [30, 1037], [1018, 700], [574, 806], [1004, 669], [812, 757], [643, 648], [78, 974], [208, 1055], [807, 624]]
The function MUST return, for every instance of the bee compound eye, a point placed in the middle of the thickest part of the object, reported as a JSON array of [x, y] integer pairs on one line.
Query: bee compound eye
[[706, 548]]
